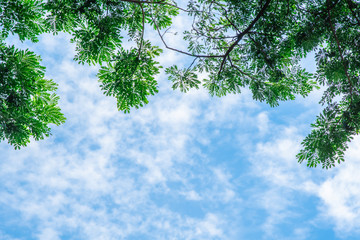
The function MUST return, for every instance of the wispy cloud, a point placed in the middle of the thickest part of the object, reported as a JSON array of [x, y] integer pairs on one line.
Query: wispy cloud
[[186, 166], [340, 194]]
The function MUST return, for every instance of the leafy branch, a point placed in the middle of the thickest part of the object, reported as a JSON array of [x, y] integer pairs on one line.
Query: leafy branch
[[243, 33]]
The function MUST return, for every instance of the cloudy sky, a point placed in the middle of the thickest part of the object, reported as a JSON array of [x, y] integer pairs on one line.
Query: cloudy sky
[[186, 166]]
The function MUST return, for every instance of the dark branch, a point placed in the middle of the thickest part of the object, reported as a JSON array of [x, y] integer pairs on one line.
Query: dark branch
[[143, 29], [340, 52], [350, 3], [242, 34], [263, 52]]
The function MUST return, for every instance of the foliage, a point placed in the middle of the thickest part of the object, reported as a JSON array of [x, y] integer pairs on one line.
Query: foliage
[[183, 79], [130, 76], [26, 104], [255, 44]]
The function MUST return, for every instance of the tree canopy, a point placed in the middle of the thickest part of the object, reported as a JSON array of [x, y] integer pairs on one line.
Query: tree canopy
[[255, 44]]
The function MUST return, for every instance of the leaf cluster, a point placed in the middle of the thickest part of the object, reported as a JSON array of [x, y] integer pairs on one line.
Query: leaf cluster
[[28, 101], [130, 76], [27, 105]]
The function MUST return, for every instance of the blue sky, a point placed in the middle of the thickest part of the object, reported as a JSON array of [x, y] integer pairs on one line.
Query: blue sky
[[186, 166]]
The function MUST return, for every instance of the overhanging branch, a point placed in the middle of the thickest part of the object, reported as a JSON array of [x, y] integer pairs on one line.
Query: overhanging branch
[[243, 33], [340, 52]]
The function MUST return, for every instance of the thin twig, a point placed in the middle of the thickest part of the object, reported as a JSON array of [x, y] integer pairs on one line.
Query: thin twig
[[159, 3], [241, 71], [227, 18], [265, 34], [190, 65], [180, 51]]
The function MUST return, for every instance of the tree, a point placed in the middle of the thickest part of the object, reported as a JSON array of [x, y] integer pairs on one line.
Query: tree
[[255, 44]]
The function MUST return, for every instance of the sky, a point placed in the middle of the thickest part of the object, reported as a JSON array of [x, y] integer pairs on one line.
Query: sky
[[185, 166]]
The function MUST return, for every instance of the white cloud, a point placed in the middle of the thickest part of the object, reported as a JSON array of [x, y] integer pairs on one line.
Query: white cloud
[[210, 226], [274, 161], [263, 122], [96, 177], [340, 193], [192, 195], [48, 234]]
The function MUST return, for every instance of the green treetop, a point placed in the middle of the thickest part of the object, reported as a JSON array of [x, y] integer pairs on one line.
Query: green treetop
[[255, 44]]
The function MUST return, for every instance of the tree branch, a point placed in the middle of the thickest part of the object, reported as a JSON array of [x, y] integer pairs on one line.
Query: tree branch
[[242, 34], [340, 52]]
